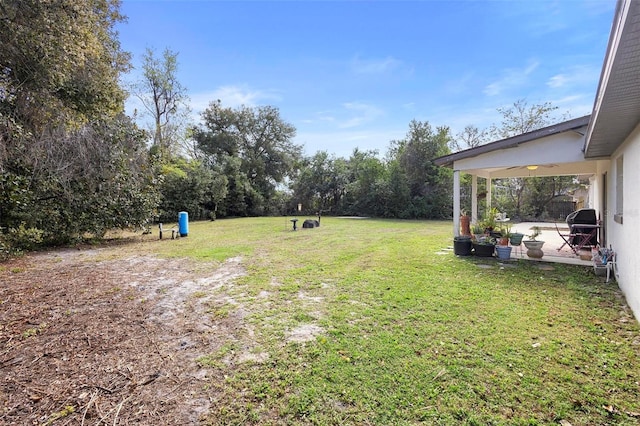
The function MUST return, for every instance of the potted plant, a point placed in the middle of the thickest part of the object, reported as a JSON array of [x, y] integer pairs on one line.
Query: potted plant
[[503, 252], [477, 230], [534, 247], [462, 245], [516, 238], [489, 221], [484, 246], [505, 234], [465, 222]]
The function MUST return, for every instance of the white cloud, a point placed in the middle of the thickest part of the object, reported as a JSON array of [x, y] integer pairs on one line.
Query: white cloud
[[232, 96], [375, 66], [347, 116], [578, 75], [361, 113], [511, 78], [558, 80], [576, 105]]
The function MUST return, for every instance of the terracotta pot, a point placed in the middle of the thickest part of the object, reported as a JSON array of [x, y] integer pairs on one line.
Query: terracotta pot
[[465, 222]]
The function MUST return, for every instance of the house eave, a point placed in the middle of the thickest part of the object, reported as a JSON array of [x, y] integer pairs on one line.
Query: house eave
[[512, 142], [616, 110]]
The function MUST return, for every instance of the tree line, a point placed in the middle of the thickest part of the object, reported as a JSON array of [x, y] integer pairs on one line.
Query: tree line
[[73, 165]]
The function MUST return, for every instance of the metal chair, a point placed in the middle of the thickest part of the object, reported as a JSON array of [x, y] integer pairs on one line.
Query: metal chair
[[583, 230]]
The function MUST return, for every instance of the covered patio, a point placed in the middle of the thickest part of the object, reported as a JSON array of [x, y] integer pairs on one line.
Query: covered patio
[[551, 151], [554, 251]]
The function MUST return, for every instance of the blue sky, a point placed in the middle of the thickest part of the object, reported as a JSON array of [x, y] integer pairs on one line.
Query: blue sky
[[353, 74]]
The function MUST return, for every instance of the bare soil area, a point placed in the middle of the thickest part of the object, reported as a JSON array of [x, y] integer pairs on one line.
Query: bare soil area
[[88, 337]]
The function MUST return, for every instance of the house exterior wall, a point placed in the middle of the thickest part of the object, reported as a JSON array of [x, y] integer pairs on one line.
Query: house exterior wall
[[625, 237]]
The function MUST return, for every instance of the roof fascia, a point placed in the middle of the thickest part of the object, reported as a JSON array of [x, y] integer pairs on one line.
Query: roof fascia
[[571, 125]]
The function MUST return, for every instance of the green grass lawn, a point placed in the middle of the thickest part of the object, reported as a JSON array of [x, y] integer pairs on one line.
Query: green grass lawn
[[404, 332]]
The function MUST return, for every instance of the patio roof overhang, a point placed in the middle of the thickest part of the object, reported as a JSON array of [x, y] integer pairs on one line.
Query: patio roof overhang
[[616, 110], [551, 151]]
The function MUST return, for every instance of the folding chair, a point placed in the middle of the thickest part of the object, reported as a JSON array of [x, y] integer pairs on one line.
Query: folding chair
[[567, 238], [583, 230]]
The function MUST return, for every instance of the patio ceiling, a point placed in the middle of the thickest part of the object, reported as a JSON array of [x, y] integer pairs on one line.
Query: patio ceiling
[[551, 151]]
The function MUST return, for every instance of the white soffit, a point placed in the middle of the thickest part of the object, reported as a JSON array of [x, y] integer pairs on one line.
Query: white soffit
[[617, 106], [551, 151]]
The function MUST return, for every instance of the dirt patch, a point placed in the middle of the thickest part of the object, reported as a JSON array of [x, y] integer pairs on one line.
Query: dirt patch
[[304, 333], [91, 341]]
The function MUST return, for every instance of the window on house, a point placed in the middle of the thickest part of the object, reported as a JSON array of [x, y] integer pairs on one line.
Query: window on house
[[619, 189]]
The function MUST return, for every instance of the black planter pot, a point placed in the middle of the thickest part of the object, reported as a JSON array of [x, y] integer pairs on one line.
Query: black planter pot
[[483, 250], [462, 246]]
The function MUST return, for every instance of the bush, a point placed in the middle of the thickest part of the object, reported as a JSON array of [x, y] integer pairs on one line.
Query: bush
[[18, 240]]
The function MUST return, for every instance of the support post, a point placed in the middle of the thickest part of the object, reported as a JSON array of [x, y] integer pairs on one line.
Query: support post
[[488, 195], [456, 203], [474, 198]]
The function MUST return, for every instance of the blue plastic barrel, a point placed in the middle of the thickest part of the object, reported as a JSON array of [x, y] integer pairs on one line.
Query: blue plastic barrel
[[183, 224]]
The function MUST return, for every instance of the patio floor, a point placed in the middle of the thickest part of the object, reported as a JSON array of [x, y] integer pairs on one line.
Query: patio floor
[[553, 242]]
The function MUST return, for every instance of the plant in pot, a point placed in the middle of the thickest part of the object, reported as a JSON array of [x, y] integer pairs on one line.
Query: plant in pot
[[534, 247], [505, 234], [477, 230], [515, 239], [484, 246], [503, 250], [465, 222], [462, 245], [489, 221]]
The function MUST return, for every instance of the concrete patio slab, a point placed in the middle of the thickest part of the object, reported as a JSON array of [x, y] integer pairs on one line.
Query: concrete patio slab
[[553, 250]]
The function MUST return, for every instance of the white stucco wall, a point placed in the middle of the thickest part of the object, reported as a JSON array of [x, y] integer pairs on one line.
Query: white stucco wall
[[625, 237]]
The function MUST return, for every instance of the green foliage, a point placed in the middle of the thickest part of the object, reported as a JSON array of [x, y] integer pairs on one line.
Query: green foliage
[[22, 238], [406, 185], [60, 61], [366, 175], [89, 181], [536, 232], [70, 163], [253, 147], [15, 241], [489, 220], [321, 182], [192, 187]]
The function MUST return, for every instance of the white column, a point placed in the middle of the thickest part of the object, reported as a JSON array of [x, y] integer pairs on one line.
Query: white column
[[456, 203], [488, 194], [474, 198]]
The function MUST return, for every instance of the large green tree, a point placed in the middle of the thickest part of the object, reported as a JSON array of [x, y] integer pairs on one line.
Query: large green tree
[[321, 182], [60, 62], [366, 175], [70, 162], [188, 185], [164, 99], [429, 185], [262, 142]]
